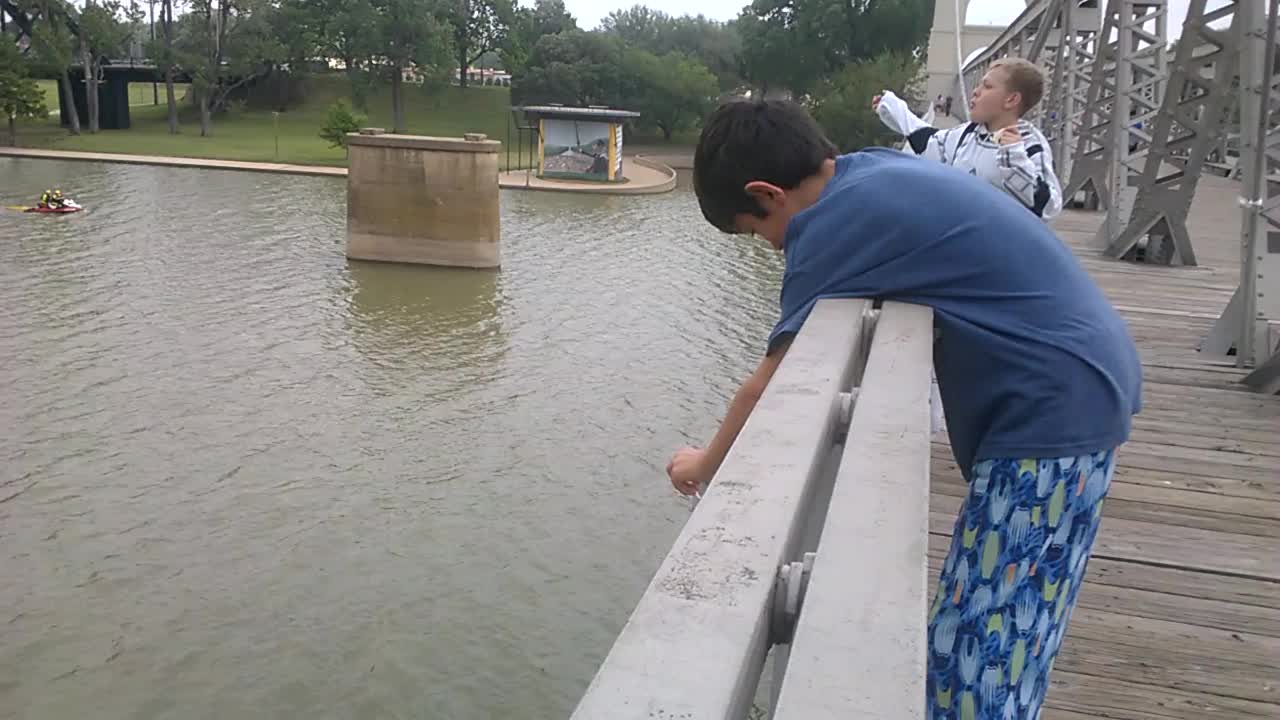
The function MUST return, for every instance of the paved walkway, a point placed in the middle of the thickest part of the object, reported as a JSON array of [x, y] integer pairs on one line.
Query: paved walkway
[[644, 177], [205, 163]]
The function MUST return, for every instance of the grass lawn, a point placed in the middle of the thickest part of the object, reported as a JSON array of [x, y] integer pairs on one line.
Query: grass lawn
[[251, 135], [139, 93]]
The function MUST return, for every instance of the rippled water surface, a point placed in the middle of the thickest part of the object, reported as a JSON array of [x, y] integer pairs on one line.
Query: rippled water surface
[[242, 477]]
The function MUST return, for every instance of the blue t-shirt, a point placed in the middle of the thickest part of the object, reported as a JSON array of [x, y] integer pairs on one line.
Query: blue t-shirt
[[1031, 359]]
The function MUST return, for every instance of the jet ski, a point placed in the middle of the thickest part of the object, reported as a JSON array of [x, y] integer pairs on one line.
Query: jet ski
[[66, 206]]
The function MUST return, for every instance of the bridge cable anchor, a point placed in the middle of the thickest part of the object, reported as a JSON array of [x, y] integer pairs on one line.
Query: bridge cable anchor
[[788, 597]]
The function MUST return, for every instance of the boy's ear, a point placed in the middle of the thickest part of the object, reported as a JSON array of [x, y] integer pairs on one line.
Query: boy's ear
[[767, 195], [1013, 101]]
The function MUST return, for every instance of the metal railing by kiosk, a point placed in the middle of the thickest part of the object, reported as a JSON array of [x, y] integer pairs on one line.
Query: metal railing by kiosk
[[810, 542]]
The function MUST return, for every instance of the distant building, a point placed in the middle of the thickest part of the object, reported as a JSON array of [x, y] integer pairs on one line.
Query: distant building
[[484, 76]]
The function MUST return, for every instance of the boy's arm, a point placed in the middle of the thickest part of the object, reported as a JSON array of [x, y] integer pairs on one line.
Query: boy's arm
[[1026, 169], [690, 469], [924, 139], [896, 116]]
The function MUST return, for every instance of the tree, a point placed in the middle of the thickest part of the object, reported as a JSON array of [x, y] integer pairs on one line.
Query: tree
[[162, 52], [479, 26], [528, 24], [226, 44], [639, 27], [671, 92], [715, 45], [842, 104], [55, 48], [349, 30], [411, 37], [101, 35], [551, 18], [574, 68], [20, 96], [776, 57], [340, 121], [820, 37]]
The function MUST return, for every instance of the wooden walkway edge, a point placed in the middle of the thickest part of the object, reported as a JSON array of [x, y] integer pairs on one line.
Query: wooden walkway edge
[[1179, 618]]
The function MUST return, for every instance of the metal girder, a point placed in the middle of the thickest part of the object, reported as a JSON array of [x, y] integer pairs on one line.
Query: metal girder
[[1025, 37], [1140, 74], [1125, 91], [1260, 161], [1252, 316], [1191, 124], [1062, 36], [1072, 69], [1091, 156]]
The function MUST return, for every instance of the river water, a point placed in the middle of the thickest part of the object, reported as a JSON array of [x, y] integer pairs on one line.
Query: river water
[[242, 477]]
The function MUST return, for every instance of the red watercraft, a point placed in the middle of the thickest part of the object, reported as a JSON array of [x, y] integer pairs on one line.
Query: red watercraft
[[67, 206]]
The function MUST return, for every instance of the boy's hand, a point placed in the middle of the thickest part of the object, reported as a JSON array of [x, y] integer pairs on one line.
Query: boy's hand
[[875, 102], [1009, 135], [687, 470]]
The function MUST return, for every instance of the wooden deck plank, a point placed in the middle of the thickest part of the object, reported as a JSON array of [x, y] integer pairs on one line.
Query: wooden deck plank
[[1209, 612], [1209, 551], [1218, 483], [1180, 615], [1074, 697], [1144, 503]]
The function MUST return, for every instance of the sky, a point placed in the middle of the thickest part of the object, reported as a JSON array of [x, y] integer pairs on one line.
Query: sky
[[981, 12]]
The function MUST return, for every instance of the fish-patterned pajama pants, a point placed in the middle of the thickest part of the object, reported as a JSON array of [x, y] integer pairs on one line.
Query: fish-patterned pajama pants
[[1010, 580]]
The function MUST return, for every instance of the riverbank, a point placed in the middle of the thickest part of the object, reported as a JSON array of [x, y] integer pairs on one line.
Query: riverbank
[[291, 137], [646, 176], [169, 161]]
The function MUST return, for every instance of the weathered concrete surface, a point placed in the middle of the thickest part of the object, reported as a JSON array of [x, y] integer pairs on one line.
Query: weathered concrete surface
[[171, 161], [423, 200]]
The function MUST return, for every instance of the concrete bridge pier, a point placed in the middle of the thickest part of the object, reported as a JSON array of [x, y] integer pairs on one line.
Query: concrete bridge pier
[[423, 200], [113, 101]]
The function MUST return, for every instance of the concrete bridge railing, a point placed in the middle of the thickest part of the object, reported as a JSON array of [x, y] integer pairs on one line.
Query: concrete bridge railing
[[811, 541]]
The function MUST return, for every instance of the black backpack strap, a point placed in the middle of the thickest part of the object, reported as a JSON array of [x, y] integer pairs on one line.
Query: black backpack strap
[[969, 129]]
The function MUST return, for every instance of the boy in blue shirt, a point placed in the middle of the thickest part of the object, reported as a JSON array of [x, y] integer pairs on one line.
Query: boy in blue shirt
[[1038, 374]]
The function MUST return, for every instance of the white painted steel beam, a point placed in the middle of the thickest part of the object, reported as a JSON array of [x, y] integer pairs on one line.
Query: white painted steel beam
[[860, 646], [695, 644]]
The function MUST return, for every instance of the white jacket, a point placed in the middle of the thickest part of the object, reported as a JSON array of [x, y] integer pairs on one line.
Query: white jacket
[[1023, 169]]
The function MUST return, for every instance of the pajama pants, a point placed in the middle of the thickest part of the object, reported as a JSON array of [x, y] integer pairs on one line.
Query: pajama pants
[[1009, 583]]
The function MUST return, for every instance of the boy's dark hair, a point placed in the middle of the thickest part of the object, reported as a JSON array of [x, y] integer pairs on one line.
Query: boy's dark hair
[[744, 140]]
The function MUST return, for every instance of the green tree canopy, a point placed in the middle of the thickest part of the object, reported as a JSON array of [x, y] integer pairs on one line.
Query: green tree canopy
[[820, 37], [20, 96], [573, 68], [671, 92], [528, 24], [715, 45], [842, 104], [411, 36], [479, 26]]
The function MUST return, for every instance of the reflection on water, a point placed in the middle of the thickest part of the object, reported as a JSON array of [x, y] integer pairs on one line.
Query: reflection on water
[[251, 479], [445, 321]]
